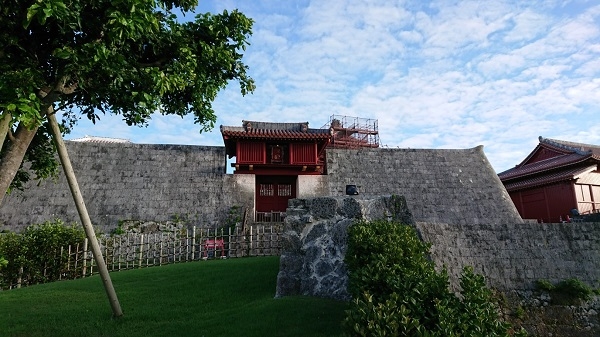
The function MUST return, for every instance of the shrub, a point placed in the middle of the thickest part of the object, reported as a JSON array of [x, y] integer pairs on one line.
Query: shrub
[[575, 288], [381, 254], [397, 291], [33, 255], [567, 292], [544, 285]]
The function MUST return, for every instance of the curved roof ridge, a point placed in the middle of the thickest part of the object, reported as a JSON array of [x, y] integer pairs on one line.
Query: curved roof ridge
[[544, 165], [579, 148], [275, 126], [99, 139]]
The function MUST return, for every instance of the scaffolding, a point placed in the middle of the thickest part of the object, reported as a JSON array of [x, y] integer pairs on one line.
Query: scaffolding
[[352, 132]]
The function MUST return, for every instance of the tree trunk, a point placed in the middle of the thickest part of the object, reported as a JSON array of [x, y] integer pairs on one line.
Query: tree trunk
[[5, 120], [13, 157]]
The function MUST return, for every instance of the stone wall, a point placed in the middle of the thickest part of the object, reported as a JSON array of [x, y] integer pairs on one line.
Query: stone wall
[[158, 182], [440, 186], [314, 243], [514, 256], [510, 256], [134, 182]]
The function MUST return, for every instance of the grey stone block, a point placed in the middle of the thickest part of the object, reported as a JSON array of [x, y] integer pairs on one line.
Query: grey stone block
[[324, 244]]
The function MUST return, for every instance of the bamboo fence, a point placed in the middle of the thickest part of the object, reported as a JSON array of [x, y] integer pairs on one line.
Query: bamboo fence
[[137, 250]]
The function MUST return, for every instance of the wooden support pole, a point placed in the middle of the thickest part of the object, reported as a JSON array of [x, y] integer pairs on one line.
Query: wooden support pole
[[84, 216]]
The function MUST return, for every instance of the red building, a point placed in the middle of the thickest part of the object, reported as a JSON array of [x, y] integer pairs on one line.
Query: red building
[[556, 178], [276, 153], [284, 158]]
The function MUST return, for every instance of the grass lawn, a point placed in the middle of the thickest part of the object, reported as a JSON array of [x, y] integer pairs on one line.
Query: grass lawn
[[232, 297]]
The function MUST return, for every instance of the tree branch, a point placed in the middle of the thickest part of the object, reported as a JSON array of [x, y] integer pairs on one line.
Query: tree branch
[[5, 126], [50, 94], [160, 62], [11, 137], [65, 89]]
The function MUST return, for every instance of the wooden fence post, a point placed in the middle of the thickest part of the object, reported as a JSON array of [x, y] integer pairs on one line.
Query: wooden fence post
[[251, 251], [62, 249], [228, 242], [141, 248], [161, 252], [85, 247], [76, 260], [194, 243], [128, 251], [20, 277]]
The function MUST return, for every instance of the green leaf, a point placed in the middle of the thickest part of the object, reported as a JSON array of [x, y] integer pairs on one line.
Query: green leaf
[[31, 13]]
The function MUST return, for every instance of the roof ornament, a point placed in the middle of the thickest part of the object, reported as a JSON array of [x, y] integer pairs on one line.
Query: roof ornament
[[247, 126], [569, 146], [336, 123]]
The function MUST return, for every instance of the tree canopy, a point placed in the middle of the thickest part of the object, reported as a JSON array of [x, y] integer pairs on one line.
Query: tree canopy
[[85, 58]]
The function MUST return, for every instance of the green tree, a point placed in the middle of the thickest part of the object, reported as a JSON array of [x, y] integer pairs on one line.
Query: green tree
[[85, 58]]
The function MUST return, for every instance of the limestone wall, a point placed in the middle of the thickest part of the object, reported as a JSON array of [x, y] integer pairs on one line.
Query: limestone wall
[[314, 243], [440, 186], [514, 256], [134, 181], [510, 256], [159, 182]]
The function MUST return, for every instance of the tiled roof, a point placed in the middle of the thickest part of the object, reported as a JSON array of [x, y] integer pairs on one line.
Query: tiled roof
[[265, 130], [275, 126], [95, 139], [548, 178], [542, 165], [580, 148], [572, 153], [276, 134]]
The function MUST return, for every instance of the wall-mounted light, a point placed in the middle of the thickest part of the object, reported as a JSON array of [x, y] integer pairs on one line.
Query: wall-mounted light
[[351, 190]]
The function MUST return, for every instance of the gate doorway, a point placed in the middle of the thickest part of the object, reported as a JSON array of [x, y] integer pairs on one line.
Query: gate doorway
[[272, 195]]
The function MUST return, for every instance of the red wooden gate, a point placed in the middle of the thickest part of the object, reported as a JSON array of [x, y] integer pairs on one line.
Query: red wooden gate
[[272, 195]]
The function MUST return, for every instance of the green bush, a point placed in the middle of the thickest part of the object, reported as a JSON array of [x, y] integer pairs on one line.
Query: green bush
[[575, 288], [567, 292], [397, 291], [544, 285], [34, 254]]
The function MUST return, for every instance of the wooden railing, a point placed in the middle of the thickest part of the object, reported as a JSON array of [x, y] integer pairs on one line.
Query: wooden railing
[[269, 217]]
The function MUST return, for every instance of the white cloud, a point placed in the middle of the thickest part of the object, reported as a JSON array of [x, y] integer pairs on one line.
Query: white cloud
[[501, 65], [528, 25], [434, 73]]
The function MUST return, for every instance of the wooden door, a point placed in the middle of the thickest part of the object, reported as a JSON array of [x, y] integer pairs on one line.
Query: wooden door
[[273, 192]]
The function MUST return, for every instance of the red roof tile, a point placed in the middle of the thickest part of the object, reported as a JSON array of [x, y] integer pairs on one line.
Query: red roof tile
[[275, 134], [571, 153], [543, 165], [572, 146], [548, 178], [267, 130]]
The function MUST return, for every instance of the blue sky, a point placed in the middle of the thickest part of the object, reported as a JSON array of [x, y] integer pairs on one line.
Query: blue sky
[[436, 74]]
